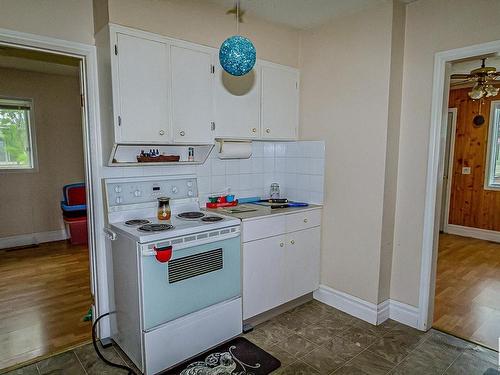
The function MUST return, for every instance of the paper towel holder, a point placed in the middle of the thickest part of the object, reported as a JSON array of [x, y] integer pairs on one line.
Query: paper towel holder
[[222, 144]]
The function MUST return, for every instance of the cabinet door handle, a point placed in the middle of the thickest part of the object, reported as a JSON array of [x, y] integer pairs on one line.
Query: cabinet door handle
[[182, 133], [305, 220], [254, 130], [162, 132], [292, 242], [282, 244], [268, 130]]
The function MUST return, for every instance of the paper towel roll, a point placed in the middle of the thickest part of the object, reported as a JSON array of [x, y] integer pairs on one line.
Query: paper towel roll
[[234, 149]]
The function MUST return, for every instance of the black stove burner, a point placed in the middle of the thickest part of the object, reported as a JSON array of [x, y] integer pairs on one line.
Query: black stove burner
[[191, 215], [155, 227], [212, 219], [135, 222]]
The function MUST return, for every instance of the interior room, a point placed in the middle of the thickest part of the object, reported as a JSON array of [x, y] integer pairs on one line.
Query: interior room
[[45, 270], [265, 187], [467, 288]]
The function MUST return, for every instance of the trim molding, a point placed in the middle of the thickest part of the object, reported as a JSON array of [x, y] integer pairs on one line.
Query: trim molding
[[481, 234], [404, 314], [439, 107], [367, 311], [33, 238]]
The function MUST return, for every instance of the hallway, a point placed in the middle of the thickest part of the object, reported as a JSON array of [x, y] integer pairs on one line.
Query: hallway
[[467, 302]]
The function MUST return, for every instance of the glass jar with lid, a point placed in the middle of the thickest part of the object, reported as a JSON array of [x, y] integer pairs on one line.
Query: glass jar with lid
[[164, 212]]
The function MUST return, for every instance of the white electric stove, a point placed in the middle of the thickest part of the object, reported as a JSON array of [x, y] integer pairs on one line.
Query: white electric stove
[[177, 282]]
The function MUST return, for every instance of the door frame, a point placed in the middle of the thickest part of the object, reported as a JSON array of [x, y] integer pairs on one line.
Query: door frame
[[92, 150], [451, 153], [432, 205]]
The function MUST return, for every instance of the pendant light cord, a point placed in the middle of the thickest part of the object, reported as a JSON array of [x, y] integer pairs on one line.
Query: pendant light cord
[[237, 17]]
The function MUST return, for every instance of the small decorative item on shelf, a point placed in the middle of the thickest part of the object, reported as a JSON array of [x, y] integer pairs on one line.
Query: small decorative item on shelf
[[154, 156], [191, 154]]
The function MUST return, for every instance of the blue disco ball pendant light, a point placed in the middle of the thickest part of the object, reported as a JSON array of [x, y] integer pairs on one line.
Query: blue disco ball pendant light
[[237, 55]]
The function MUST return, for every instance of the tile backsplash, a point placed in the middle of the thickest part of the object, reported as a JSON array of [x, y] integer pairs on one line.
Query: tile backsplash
[[298, 167]]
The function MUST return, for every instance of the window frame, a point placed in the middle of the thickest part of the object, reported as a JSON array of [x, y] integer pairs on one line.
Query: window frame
[[26, 102], [493, 134]]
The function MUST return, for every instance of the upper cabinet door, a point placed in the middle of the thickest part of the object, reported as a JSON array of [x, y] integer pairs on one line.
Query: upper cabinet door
[[192, 95], [142, 95], [280, 103], [237, 104]]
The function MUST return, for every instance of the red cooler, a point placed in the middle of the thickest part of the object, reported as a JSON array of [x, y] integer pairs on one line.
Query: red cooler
[[74, 207]]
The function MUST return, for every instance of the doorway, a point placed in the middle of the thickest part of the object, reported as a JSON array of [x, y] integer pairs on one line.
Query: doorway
[[467, 247], [46, 257]]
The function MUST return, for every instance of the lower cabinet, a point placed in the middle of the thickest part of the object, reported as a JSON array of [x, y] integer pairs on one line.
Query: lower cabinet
[[263, 275], [279, 269]]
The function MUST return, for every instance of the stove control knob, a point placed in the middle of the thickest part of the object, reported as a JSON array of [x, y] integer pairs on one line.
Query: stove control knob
[[118, 189], [137, 193], [118, 200], [174, 189], [190, 183], [190, 193]]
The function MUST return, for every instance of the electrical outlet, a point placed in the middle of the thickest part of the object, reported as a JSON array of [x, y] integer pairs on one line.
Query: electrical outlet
[[466, 170]]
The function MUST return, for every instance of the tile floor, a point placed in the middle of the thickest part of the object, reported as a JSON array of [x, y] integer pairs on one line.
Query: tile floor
[[317, 339]]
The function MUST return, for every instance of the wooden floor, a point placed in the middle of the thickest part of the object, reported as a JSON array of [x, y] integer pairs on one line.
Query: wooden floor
[[467, 302], [44, 294]]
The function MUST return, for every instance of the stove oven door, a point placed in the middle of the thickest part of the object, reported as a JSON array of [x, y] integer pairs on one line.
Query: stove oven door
[[196, 276]]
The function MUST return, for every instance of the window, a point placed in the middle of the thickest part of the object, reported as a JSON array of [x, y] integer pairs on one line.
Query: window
[[493, 170], [16, 135]]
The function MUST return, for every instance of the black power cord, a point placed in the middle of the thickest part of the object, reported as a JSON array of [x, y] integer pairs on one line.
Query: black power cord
[[99, 354]]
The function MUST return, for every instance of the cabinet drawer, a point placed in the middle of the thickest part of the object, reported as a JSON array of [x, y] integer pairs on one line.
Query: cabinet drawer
[[303, 220], [263, 228]]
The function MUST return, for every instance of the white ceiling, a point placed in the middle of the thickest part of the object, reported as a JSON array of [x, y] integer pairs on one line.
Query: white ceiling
[[36, 61], [300, 14], [468, 65], [18, 63]]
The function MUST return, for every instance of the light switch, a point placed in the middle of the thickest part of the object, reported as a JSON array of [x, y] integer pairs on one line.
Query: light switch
[[466, 170]]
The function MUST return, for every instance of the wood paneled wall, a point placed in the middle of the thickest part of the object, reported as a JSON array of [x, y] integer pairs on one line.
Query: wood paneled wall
[[470, 204]]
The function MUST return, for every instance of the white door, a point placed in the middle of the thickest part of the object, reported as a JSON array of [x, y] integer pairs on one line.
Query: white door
[[280, 103], [237, 104], [192, 95], [302, 262], [142, 91], [263, 275]]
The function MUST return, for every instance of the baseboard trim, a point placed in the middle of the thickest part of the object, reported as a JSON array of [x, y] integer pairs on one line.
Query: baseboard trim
[[481, 234], [404, 314], [367, 311], [33, 238]]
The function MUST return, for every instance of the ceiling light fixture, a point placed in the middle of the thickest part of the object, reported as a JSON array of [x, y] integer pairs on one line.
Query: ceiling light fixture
[[237, 54]]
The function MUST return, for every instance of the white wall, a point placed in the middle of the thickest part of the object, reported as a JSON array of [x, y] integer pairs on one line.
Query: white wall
[[63, 19], [30, 201], [431, 26], [206, 23], [345, 73]]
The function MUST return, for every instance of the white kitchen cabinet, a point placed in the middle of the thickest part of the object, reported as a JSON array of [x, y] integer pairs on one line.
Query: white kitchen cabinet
[[280, 102], [281, 263], [192, 95], [264, 278], [237, 104], [302, 254], [166, 91], [141, 90]]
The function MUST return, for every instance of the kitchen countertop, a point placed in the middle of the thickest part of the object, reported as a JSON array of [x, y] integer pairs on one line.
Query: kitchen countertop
[[261, 211]]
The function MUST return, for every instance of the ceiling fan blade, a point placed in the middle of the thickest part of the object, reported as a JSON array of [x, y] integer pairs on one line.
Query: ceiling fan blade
[[461, 76]]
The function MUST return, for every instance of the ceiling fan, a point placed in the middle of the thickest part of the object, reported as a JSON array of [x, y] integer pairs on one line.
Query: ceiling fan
[[484, 78]]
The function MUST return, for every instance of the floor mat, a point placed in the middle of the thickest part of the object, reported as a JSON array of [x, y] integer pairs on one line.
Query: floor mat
[[236, 357]]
